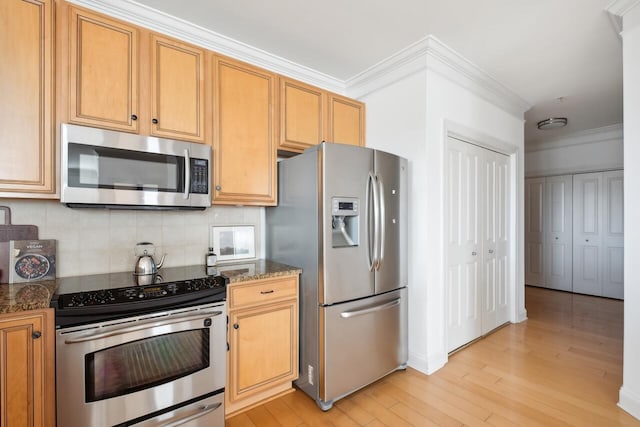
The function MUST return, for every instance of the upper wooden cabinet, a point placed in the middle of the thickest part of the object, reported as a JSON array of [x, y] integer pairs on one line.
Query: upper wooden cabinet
[[27, 146], [103, 71], [244, 148], [106, 61], [177, 95], [27, 369], [345, 122], [302, 115]]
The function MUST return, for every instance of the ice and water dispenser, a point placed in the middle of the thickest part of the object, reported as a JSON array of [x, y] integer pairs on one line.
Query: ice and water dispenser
[[345, 222]]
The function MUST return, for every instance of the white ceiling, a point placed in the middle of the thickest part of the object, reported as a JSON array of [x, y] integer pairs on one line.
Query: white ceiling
[[563, 57]]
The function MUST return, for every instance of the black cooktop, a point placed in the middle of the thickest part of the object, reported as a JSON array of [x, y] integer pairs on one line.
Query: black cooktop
[[88, 299]]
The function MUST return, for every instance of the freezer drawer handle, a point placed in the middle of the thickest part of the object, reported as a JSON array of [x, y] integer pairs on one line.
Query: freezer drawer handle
[[348, 314]]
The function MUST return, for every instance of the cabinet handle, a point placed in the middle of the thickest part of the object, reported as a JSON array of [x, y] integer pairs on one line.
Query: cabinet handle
[[236, 326], [490, 251], [266, 292], [36, 334], [154, 121], [557, 238], [586, 240], [134, 117], [474, 253], [218, 188]]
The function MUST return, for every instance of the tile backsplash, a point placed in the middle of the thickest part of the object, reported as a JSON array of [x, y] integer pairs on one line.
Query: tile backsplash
[[94, 241]]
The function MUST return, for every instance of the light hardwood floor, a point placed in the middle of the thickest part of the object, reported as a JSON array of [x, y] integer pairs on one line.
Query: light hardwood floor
[[561, 367]]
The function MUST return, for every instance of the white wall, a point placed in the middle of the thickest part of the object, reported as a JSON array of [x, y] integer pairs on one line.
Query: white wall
[[630, 391], [396, 122], [587, 151], [93, 241], [409, 116]]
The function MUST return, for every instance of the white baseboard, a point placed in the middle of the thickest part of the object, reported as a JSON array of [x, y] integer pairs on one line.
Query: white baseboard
[[427, 365], [630, 402]]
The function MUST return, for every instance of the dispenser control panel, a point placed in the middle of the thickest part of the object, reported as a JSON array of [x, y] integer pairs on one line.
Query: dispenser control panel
[[345, 206]]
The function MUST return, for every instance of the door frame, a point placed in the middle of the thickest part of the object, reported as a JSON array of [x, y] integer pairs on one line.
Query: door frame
[[517, 311]]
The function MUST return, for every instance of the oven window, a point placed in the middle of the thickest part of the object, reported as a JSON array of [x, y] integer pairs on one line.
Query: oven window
[[145, 363]]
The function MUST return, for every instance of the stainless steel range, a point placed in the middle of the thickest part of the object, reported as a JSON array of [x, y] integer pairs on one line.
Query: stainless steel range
[[152, 355]]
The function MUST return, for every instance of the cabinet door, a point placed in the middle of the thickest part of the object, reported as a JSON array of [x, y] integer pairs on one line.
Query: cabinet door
[[587, 233], [26, 81], [177, 95], [302, 115], [559, 233], [345, 122], [263, 348], [103, 67], [534, 231], [27, 369], [244, 149]]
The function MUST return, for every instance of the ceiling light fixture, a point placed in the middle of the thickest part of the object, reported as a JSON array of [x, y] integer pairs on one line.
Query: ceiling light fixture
[[552, 123]]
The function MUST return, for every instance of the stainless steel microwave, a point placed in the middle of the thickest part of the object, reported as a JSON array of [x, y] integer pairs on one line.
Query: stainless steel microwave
[[102, 168]]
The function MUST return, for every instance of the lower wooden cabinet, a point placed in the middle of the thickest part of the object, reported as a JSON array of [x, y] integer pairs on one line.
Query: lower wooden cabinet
[[262, 360], [27, 388]]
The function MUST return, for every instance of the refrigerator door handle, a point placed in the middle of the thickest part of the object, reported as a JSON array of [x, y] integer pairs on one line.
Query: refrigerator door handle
[[373, 204], [389, 304], [382, 226]]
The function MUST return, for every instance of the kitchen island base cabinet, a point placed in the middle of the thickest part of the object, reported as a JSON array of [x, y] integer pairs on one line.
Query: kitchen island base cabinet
[[27, 395], [263, 341]]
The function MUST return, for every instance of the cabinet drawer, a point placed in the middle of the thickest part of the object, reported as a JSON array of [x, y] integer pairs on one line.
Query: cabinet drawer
[[262, 291]]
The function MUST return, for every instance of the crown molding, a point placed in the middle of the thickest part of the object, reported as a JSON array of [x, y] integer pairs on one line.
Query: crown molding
[[144, 16], [621, 7], [431, 54], [589, 136]]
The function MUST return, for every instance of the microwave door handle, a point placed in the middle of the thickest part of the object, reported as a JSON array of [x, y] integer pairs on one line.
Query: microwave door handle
[[187, 174]]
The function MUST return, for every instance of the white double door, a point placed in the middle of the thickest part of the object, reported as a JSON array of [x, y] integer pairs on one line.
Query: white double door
[[478, 213], [548, 232], [598, 236]]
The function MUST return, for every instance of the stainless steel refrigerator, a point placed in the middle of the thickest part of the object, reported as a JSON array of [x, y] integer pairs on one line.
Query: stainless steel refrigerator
[[342, 217]]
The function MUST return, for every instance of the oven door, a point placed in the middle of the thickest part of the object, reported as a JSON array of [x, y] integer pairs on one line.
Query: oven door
[[122, 370]]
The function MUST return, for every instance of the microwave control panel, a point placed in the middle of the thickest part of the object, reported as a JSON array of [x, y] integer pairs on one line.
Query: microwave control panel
[[199, 176]]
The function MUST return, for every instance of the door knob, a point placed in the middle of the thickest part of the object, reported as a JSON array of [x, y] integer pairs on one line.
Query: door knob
[[36, 334], [586, 240], [236, 326], [556, 238], [490, 251], [134, 117], [154, 121], [474, 253], [218, 188]]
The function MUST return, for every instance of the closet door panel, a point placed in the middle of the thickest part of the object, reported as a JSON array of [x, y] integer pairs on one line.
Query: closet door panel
[[534, 231], [587, 233], [496, 248], [464, 272], [559, 236], [613, 235]]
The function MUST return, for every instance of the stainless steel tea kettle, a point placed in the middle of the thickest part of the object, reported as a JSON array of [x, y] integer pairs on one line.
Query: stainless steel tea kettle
[[145, 264]]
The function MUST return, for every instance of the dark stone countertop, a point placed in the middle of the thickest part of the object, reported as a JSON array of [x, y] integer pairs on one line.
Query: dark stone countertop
[[37, 295]]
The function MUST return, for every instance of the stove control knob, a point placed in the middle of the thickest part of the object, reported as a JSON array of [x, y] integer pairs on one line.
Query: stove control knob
[[141, 295]]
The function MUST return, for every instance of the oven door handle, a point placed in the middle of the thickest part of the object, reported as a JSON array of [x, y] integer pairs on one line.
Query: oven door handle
[[202, 411], [140, 327]]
